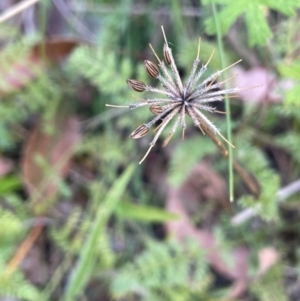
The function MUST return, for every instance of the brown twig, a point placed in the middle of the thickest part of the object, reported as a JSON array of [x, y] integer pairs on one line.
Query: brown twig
[[245, 176], [24, 248], [16, 9]]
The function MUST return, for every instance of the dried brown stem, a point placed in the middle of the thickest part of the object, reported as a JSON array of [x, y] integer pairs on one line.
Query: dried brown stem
[[245, 176], [24, 249]]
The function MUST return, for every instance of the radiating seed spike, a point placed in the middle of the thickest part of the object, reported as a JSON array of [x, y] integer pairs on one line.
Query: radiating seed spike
[[182, 134], [210, 84], [136, 85], [226, 140], [231, 96], [137, 105], [163, 31], [198, 52], [228, 79], [139, 132], [116, 106], [155, 109], [199, 126], [167, 140], [138, 98], [157, 128], [167, 56], [166, 49], [152, 49], [183, 124], [210, 58], [174, 128], [220, 112], [147, 153], [231, 65], [151, 68], [248, 88]]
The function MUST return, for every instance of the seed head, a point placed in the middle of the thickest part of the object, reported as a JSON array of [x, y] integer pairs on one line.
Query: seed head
[[178, 99], [152, 69], [156, 109], [166, 54], [140, 132], [136, 85]]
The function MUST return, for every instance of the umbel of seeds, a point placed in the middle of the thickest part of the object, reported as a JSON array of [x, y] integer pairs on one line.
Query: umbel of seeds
[[178, 99]]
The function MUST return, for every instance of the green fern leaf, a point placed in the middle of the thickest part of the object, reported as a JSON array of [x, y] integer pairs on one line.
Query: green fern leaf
[[108, 74], [269, 181], [144, 213], [291, 142], [12, 225], [16, 286], [96, 237], [291, 71], [163, 269], [270, 286], [254, 11], [185, 157]]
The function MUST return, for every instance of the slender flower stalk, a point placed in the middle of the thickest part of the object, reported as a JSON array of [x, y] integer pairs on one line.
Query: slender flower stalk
[[178, 99]]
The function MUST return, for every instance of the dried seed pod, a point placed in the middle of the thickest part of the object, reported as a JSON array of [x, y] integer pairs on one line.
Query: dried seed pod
[[136, 85], [167, 54], [156, 109], [140, 132], [151, 68]]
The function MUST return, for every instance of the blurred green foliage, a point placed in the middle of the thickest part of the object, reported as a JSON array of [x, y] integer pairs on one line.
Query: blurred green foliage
[[104, 228]]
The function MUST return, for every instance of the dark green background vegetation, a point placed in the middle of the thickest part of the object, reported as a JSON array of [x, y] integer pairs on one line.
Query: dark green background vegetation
[[81, 220]]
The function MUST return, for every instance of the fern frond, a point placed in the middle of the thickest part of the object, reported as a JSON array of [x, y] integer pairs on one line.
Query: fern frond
[[11, 227], [185, 157], [269, 181], [290, 141], [161, 270], [15, 286], [254, 12], [293, 72], [107, 74], [270, 286], [97, 243]]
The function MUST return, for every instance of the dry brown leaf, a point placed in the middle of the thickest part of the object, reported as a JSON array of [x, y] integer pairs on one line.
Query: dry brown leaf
[[21, 72], [55, 49], [183, 228], [254, 77], [267, 257], [56, 150], [6, 165]]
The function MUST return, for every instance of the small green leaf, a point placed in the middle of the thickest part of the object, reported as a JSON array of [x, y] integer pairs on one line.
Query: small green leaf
[[258, 28], [227, 17], [255, 13], [9, 184], [290, 71], [144, 213], [265, 205], [290, 141], [85, 264], [287, 7], [292, 97], [185, 157]]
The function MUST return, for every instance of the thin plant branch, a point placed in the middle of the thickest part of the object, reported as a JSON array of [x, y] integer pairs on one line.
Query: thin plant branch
[[24, 248], [66, 13], [245, 176], [16, 9], [136, 10], [227, 103], [281, 195]]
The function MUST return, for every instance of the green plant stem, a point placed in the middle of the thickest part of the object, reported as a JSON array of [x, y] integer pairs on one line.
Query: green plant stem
[[227, 104], [87, 257]]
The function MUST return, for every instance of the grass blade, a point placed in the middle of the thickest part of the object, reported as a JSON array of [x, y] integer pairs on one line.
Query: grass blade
[[84, 266]]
